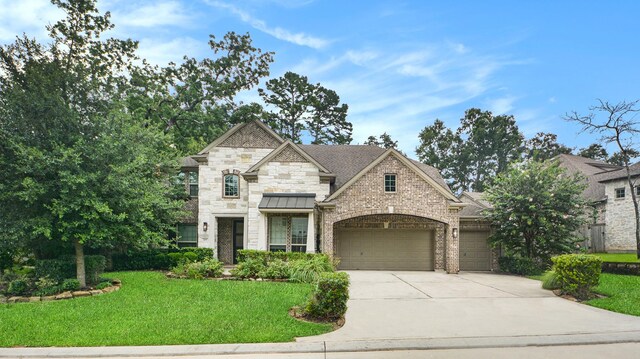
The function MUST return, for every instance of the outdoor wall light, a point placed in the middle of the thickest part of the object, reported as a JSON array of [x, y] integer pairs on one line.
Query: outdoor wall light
[[454, 233], [205, 226]]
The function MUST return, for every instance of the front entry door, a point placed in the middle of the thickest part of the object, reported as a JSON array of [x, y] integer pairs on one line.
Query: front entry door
[[238, 238]]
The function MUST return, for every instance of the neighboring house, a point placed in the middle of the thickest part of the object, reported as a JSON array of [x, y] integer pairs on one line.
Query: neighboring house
[[620, 217], [611, 226], [370, 207]]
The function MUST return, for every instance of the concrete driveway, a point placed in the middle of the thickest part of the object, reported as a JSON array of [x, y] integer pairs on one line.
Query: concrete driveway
[[392, 305]]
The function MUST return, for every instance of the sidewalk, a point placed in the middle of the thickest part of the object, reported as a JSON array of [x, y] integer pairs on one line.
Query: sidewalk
[[333, 348]]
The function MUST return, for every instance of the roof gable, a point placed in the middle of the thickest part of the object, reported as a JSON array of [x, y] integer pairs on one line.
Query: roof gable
[[253, 134], [391, 152], [287, 152]]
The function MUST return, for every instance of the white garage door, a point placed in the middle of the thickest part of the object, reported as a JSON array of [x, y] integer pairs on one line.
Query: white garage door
[[384, 249], [475, 253]]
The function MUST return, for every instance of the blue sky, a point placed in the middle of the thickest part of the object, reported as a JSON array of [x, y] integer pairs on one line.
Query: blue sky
[[402, 64]]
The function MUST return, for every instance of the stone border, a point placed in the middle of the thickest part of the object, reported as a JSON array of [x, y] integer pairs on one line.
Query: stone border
[[172, 275], [625, 268], [115, 286]]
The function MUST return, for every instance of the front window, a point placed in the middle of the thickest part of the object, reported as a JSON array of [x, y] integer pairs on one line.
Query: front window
[[620, 192], [390, 183], [288, 233], [278, 234], [637, 190], [187, 235], [231, 186], [193, 184]]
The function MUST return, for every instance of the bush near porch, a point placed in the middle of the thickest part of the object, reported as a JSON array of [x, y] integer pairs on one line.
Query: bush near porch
[[193, 312]]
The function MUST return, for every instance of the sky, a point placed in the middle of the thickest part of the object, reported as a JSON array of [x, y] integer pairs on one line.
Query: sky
[[400, 65]]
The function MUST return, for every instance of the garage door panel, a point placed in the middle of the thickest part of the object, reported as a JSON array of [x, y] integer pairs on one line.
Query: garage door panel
[[475, 253], [385, 249]]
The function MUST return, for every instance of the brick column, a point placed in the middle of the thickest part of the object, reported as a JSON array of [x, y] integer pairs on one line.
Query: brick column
[[440, 245], [452, 249]]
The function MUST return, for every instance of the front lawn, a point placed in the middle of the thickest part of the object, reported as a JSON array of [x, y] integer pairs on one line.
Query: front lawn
[[623, 293], [150, 309], [618, 257]]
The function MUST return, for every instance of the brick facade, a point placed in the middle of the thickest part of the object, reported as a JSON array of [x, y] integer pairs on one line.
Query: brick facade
[[619, 219], [413, 197]]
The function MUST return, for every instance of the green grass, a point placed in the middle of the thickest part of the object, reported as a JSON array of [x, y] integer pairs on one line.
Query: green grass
[[623, 293], [150, 309], [618, 257]]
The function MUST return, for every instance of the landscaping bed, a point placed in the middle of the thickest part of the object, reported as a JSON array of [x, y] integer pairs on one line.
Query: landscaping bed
[[151, 309]]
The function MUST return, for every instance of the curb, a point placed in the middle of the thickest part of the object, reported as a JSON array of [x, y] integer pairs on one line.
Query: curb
[[328, 347]]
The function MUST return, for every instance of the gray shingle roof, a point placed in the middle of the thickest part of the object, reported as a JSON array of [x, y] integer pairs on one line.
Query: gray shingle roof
[[620, 174], [346, 161], [287, 201], [475, 204], [188, 162], [592, 169]]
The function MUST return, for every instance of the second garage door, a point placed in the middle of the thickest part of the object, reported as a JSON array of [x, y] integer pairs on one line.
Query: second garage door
[[475, 253], [384, 249]]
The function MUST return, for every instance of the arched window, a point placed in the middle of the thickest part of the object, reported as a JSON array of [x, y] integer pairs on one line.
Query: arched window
[[231, 186]]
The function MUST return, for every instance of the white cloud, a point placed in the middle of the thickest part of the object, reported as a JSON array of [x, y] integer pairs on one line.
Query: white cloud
[[28, 16], [501, 106], [298, 38], [153, 15]]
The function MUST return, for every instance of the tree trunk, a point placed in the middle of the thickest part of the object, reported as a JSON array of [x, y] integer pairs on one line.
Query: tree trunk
[[80, 273]]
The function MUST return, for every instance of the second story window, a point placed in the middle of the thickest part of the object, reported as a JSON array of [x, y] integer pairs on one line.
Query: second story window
[[390, 183], [231, 186], [193, 184], [620, 193]]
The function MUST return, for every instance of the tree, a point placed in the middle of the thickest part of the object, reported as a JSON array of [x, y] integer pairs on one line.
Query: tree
[[594, 151], [302, 107], [483, 146], [384, 141], [78, 167], [618, 158], [621, 127], [536, 209], [544, 146], [194, 101]]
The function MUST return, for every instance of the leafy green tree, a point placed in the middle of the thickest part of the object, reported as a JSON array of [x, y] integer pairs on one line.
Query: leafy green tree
[[78, 167], [194, 101], [544, 146], [536, 209], [594, 151], [483, 146], [619, 158], [303, 108], [620, 125], [384, 141]]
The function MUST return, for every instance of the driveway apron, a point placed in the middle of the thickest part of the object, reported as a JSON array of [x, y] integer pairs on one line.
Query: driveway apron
[[432, 305]]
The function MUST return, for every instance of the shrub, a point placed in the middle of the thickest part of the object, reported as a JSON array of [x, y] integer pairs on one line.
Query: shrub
[[330, 296], [202, 254], [249, 268], [308, 271], [70, 285], [521, 265], [577, 273], [47, 291], [550, 280], [103, 285], [156, 258], [18, 287], [190, 257], [175, 258], [65, 267], [266, 256], [45, 282], [276, 269], [209, 268]]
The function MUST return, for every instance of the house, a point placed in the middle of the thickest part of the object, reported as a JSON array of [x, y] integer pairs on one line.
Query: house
[[372, 208], [611, 225]]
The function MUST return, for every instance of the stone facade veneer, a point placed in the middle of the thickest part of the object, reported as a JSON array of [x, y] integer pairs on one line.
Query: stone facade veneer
[[620, 221]]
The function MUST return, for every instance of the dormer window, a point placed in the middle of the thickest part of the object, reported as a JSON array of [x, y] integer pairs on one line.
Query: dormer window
[[620, 193], [390, 183], [231, 186]]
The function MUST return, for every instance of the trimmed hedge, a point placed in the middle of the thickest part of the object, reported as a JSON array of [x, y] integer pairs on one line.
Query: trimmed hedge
[[157, 258], [330, 297], [521, 265], [266, 256], [65, 268], [577, 273]]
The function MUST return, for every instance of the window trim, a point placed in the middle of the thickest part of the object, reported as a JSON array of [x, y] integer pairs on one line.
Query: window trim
[[395, 182], [193, 243], [191, 185], [224, 185], [624, 193]]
